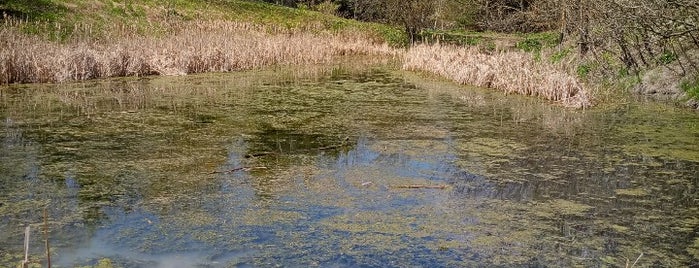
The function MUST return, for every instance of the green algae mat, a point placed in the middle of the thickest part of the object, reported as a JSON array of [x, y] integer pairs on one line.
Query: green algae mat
[[340, 166]]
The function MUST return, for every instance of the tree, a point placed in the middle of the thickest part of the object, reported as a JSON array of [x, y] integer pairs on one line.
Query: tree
[[641, 33], [413, 15]]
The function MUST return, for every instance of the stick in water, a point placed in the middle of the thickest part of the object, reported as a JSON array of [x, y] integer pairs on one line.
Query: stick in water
[[634, 263], [26, 246], [46, 238], [422, 186]]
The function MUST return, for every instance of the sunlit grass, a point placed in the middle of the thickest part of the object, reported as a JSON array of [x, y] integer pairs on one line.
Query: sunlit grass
[[194, 47]]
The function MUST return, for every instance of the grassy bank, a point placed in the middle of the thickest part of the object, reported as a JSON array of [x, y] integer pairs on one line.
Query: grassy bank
[[73, 40], [103, 19], [68, 40], [194, 47]]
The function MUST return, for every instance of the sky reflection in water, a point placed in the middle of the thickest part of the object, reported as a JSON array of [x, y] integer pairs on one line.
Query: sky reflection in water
[[149, 180]]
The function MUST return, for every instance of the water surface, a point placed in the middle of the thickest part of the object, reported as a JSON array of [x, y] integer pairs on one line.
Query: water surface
[[278, 167]]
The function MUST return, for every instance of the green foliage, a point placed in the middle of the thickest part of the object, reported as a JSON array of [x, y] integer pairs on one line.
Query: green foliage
[[42, 10], [583, 70], [336, 25], [691, 87], [327, 7], [667, 57], [529, 45], [560, 55], [103, 263], [127, 9], [623, 72], [489, 45], [393, 36], [535, 42]]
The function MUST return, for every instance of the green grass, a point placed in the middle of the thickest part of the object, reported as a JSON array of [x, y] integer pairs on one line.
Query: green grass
[[531, 42], [95, 19], [45, 10], [534, 42], [691, 87]]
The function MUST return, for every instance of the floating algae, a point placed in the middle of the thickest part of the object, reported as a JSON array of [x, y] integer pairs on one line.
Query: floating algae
[[153, 171], [637, 192]]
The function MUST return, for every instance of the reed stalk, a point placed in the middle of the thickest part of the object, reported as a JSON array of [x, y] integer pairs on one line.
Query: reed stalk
[[197, 47], [25, 262], [46, 238], [511, 72]]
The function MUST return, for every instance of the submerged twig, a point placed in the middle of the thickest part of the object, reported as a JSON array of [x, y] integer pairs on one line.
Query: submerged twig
[[25, 263], [343, 143], [46, 239], [330, 147], [238, 169], [634, 263], [259, 154], [421, 186]]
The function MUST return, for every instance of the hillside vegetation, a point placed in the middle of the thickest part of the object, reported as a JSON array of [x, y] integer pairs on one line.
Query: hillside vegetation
[[653, 44], [57, 41], [99, 19], [63, 40]]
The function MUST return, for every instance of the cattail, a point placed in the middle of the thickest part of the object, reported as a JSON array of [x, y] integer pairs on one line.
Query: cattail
[[194, 47], [511, 72]]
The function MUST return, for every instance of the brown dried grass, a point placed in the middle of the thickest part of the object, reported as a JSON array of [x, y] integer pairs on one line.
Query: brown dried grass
[[511, 72], [217, 46]]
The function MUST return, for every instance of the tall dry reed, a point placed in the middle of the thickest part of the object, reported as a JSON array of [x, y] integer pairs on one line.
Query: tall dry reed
[[190, 48], [512, 72]]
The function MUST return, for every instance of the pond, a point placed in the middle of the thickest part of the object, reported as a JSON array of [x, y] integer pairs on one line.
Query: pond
[[341, 166]]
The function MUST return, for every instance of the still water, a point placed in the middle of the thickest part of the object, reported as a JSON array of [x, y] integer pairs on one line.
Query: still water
[[288, 168]]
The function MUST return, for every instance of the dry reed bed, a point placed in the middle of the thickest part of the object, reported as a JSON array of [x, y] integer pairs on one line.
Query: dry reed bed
[[190, 48], [512, 72]]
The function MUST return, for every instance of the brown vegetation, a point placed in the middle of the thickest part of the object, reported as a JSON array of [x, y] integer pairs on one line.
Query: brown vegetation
[[512, 72], [227, 46], [191, 48]]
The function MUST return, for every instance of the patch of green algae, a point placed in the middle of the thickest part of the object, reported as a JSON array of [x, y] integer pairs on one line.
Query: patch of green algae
[[669, 134], [634, 192], [694, 248]]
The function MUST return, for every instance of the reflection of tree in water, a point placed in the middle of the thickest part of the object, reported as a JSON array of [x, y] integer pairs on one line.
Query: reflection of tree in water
[[280, 151], [31, 180]]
